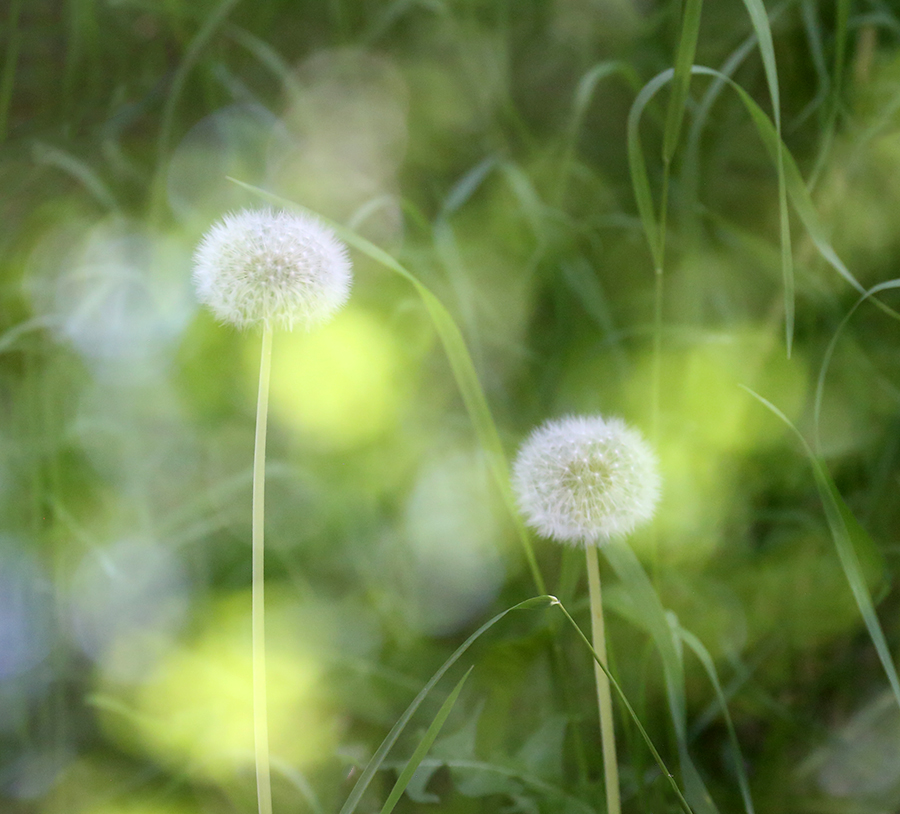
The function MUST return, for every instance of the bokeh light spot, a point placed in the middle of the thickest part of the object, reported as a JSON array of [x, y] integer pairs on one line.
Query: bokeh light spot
[[338, 385], [195, 709]]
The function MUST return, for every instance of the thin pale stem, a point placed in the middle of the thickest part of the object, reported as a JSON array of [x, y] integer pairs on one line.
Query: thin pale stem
[[604, 696], [260, 705]]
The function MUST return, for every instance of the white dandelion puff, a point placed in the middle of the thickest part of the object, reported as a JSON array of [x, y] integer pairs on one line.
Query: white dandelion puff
[[585, 479], [267, 267]]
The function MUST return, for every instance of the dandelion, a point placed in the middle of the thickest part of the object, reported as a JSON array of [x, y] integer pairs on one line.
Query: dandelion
[[264, 267], [260, 267], [584, 480]]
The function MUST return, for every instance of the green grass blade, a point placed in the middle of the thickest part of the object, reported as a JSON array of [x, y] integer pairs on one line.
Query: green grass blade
[[422, 749], [829, 352], [684, 60], [760, 20], [655, 619], [267, 56], [849, 537], [706, 660], [841, 27], [584, 93], [638, 166], [627, 704], [173, 97], [796, 187], [467, 185], [80, 170], [460, 363], [690, 168], [530, 203], [841, 34], [381, 753]]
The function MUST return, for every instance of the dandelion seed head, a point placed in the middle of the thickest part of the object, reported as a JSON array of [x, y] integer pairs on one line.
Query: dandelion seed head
[[262, 266], [585, 479]]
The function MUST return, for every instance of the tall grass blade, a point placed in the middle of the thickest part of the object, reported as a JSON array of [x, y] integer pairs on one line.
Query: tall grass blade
[[460, 363], [690, 168], [849, 537], [530, 202], [760, 21], [638, 166], [654, 618], [706, 660], [173, 97], [796, 187], [687, 47], [829, 352], [627, 704], [381, 753], [584, 93], [424, 745]]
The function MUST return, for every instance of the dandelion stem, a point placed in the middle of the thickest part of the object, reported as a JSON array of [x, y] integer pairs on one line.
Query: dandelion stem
[[604, 696], [260, 706]]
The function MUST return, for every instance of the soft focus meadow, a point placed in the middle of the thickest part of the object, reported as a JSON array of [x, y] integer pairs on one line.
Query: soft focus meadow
[[602, 249]]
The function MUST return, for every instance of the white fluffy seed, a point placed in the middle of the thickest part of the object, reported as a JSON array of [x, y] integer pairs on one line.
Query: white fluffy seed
[[261, 266], [585, 479]]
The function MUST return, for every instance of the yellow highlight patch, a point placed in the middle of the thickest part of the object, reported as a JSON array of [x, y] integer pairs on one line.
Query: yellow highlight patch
[[337, 385], [195, 711], [708, 420]]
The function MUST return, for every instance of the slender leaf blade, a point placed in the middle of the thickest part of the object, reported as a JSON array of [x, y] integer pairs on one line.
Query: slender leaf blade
[[684, 60], [424, 745], [848, 535], [381, 753], [638, 166], [636, 582], [706, 660]]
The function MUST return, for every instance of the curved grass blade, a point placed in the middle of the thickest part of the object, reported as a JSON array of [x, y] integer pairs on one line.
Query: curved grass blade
[[796, 187], [655, 619], [584, 93], [424, 745], [848, 536], [460, 363], [681, 82], [632, 714], [638, 166], [706, 660], [197, 44], [829, 352], [568, 801], [381, 753], [690, 172], [33, 325], [267, 56], [77, 169]]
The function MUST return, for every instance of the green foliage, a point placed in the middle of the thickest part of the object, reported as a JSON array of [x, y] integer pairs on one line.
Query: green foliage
[[553, 207]]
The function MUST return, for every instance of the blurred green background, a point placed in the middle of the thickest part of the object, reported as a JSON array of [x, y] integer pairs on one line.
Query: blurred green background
[[469, 139]]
